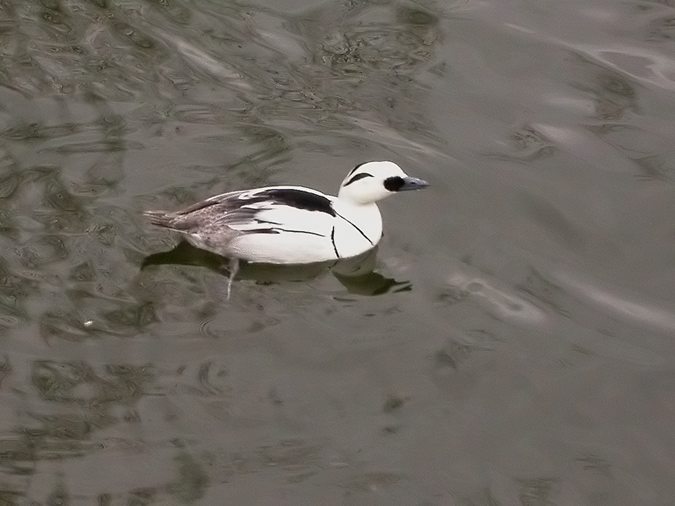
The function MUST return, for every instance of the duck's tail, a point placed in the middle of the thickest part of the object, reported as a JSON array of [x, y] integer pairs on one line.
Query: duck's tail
[[160, 218]]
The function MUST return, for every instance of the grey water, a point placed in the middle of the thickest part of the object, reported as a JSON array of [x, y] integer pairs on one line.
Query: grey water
[[511, 342]]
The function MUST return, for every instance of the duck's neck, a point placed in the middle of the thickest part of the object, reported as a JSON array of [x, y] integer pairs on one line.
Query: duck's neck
[[365, 217]]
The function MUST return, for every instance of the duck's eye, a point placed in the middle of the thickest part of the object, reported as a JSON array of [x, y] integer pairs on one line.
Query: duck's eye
[[357, 177], [394, 183]]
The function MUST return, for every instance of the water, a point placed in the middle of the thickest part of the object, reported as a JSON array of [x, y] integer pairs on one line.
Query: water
[[515, 342]]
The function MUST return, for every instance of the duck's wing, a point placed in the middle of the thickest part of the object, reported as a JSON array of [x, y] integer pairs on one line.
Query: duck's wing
[[263, 210], [280, 209], [189, 218]]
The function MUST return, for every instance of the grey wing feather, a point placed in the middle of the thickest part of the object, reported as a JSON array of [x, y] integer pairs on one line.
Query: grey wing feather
[[238, 212], [215, 212], [160, 218]]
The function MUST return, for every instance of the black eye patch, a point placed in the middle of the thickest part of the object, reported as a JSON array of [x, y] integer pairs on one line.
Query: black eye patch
[[393, 184], [357, 177]]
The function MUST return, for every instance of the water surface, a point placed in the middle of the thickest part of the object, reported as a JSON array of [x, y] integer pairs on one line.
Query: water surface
[[515, 341]]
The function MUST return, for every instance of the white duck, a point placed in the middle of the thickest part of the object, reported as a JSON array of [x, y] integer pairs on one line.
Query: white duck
[[292, 224]]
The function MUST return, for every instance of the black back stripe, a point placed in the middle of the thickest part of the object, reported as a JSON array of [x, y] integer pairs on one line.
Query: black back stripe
[[300, 232], [332, 239], [357, 177], [293, 197], [357, 228], [267, 222], [278, 230]]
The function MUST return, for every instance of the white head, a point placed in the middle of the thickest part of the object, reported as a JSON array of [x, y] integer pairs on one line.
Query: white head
[[373, 181]]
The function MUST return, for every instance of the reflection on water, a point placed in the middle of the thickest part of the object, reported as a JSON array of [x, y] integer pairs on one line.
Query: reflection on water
[[524, 321], [356, 274]]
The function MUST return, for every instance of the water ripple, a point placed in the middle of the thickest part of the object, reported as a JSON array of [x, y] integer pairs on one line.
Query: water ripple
[[539, 262]]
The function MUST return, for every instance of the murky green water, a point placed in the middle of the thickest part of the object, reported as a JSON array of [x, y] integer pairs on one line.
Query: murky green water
[[515, 344]]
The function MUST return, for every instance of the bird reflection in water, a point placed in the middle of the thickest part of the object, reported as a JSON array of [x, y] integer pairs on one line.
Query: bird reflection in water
[[356, 274]]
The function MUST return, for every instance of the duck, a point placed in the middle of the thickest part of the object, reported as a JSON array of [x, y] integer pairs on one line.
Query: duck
[[292, 224]]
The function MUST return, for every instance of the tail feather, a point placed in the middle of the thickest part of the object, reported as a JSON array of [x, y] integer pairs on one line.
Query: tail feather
[[160, 218]]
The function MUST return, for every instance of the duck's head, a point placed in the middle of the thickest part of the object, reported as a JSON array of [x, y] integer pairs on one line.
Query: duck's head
[[373, 181]]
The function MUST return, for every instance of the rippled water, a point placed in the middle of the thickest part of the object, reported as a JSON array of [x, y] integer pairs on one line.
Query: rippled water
[[515, 343]]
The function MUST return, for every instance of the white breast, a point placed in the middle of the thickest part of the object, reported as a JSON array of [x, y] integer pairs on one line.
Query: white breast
[[358, 228]]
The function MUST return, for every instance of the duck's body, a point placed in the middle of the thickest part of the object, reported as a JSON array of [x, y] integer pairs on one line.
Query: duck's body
[[277, 224], [292, 224]]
